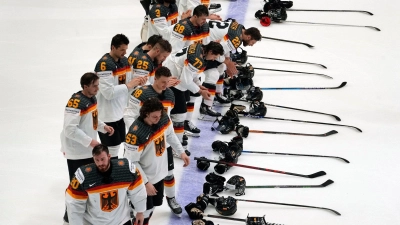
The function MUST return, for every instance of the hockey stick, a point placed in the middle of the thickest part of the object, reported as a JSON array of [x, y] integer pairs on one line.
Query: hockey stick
[[333, 24], [248, 221], [325, 184], [323, 10], [304, 88], [278, 203], [319, 74], [246, 114], [303, 110], [300, 134], [314, 175], [286, 60], [282, 153], [295, 42]]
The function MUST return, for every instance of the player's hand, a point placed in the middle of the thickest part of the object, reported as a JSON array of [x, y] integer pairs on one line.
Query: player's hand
[[150, 189], [94, 143], [231, 69], [205, 94], [186, 159], [203, 88], [173, 81], [136, 82], [214, 17], [139, 218], [109, 130], [186, 14]]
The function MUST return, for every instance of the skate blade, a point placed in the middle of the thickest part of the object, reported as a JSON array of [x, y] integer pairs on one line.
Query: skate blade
[[212, 11], [188, 133], [207, 118]]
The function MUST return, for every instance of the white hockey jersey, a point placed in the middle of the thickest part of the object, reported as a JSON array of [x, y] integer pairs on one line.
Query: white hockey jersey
[[113, 93], [81, 123], [162, 19]]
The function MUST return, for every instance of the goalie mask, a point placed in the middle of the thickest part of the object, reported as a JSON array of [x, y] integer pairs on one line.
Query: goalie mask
[[226, 206], [237, 183], [257, 109]]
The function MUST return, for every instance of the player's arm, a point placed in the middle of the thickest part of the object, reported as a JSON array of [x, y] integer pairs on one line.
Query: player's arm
[[190, 71], [134, 148], [106, 82], [72, 119], [178, 37], [136, 190], [173, 140], [75, 199], [132, 111]]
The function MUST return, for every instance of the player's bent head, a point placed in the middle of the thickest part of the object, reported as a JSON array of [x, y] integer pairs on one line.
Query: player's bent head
[[119, 40], [98, 149], [163, 46], [88, 79], [200, 10], [152, 110], [162, 72], [153, 40], [214, 47], [254, 33]]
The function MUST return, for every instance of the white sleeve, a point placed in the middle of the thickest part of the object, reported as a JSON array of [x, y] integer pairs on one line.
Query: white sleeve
[[107, 87], [75, 200], [173, 140], [132, 111], [72, 119], [176, 41], [162, 27], [136, 190], [191, 4], [187, 78], [132, 153], [100, 127]]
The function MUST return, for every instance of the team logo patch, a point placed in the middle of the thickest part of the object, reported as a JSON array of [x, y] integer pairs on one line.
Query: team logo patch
[[95, 119], [135, 128], [136, 53], [88, 169], [144, 57], [78, 95], [144, 87], [105, 58], [109, 200], [184, 22], [121, 162], [159, 144]]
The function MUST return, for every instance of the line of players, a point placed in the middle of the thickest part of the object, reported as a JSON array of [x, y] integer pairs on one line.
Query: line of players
[[112, 98]]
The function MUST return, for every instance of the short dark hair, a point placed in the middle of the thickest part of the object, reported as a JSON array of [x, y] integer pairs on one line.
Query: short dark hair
[[88, 79], [215, 47], [119, 40], [151, 105], [162, 71], [254, 33], [200, 10], [163, 45], [153, 39], [98, 149]]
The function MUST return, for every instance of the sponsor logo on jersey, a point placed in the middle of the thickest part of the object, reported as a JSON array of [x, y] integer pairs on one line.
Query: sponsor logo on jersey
[[109, 200]]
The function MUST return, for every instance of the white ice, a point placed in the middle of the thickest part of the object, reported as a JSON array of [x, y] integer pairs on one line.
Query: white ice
[[47, 45]]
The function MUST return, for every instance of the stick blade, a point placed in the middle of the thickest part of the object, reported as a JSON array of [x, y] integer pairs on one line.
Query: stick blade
[[323, 66], [308, 45], [328, 182], [331, 133], [342, 84], [317, 174], [347, 161], [375, 28], [336, 117]]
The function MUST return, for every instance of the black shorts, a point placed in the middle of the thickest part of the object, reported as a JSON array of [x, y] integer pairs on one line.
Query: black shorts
[[156, 200], [170, 157], [181, 97], [119, 134]]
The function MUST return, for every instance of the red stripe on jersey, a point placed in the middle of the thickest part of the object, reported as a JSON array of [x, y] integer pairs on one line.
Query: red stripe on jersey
[[76, 194], [89, 109]]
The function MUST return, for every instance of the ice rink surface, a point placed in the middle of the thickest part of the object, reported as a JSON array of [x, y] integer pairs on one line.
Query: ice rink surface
[[46, 46]]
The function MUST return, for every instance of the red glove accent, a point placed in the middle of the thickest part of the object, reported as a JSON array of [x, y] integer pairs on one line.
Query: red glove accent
[[265, 21]]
